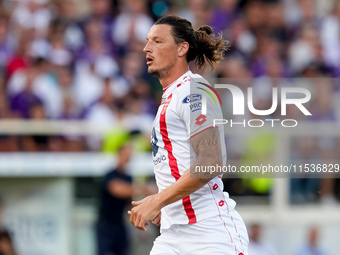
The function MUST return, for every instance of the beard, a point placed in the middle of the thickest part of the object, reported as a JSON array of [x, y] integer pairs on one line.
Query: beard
[[163, 73]]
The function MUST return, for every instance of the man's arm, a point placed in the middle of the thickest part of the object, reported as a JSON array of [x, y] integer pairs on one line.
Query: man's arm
[[120, 188], [123, 189], [207, 146]]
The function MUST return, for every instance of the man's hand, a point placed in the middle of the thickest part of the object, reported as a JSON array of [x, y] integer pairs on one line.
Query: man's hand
[[157, 220], [144, 210]]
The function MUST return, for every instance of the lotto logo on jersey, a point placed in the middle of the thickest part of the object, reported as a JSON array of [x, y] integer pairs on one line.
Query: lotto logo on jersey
[[201, 119], [192, 98]]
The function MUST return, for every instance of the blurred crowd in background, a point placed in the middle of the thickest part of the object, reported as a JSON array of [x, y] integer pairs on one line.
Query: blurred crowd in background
[[83, 60]]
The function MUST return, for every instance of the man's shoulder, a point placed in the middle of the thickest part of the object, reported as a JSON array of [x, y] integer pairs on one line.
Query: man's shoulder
[[114, 174], [191, 84], [195, 88]]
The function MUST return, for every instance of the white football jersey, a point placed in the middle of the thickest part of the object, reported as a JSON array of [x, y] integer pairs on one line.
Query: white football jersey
[[179, 118]]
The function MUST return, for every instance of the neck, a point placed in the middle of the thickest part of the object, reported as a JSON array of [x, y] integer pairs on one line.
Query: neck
[[173, 75], [120, 167]]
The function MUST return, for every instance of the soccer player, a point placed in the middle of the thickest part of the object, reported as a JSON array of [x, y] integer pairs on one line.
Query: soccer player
[[196, 217]]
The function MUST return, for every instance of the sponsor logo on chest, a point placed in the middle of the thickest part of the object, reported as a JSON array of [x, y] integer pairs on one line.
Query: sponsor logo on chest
[[196, 106], [192, 98], [159, 159]]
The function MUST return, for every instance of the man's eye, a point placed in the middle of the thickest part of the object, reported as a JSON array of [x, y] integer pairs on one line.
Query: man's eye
[[158, 42]]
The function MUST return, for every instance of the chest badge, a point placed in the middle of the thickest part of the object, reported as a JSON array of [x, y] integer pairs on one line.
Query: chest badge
[[166, 104]]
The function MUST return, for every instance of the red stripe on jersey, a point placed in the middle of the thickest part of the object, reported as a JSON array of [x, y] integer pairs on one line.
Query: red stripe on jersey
[[189, 210], [173, 161]]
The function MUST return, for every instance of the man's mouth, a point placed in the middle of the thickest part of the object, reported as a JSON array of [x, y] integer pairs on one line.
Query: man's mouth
[[149, 60]]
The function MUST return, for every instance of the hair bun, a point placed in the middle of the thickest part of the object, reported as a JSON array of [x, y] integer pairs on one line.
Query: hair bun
[[206, 29]]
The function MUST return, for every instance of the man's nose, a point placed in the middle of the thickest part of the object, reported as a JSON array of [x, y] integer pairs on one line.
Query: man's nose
[[147, 47]]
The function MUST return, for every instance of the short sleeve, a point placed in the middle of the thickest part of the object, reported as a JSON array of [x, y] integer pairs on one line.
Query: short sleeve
[[199, 107], [113, 175]]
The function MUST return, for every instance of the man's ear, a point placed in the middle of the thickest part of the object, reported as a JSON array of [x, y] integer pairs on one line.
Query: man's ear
[[183, 49]]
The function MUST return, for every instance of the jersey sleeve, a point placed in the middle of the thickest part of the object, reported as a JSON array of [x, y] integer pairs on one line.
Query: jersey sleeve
[[192, 104], [115, 175]]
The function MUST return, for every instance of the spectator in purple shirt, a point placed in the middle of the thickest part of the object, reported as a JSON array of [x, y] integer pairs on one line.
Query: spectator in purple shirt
[[224, 14], [21, 103]]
